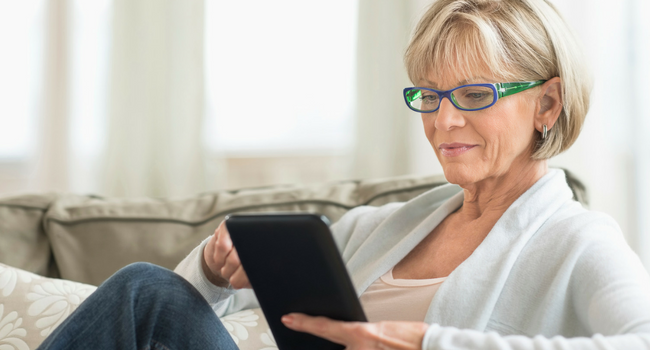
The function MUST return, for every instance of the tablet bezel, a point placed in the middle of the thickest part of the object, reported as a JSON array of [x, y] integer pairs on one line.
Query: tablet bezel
[[293, 265]]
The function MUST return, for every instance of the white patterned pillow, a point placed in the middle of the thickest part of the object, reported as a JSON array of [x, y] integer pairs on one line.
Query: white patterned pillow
[[31, 307]]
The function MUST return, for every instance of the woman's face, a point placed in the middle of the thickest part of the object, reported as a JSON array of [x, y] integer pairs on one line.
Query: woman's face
[[478, 145]]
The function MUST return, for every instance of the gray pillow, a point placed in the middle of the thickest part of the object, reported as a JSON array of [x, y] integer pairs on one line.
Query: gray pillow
[[93, 237]]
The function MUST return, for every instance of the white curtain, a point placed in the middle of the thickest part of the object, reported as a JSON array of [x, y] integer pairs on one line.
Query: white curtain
[[118, 98], [156, 102], [640, 52], [50, 167], [611, 154], [153, 109], [382, 121], [389, 137]]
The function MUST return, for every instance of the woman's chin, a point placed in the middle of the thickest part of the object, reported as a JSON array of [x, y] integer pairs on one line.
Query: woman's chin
[[459, 174]]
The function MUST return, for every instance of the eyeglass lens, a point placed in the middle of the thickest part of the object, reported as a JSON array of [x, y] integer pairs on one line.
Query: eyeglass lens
[[468, 97]]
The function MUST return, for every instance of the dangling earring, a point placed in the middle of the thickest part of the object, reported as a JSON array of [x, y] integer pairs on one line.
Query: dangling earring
[[544, 132]]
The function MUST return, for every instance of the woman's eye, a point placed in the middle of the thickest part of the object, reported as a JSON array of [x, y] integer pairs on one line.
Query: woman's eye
[[429, 98], [476, 95]]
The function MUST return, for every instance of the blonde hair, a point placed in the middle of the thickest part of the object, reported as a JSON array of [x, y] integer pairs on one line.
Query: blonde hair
[[518, 40]]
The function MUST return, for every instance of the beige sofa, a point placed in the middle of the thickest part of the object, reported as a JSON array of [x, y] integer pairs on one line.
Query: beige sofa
[[55, 248]]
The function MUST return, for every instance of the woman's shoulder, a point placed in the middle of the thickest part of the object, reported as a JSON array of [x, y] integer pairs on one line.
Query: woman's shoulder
[[364, 219], [369, 214], [365, 216], [576, 223], [592, 245], [592, 241]]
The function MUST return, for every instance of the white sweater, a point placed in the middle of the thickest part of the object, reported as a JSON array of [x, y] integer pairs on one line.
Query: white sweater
[[549, 275]]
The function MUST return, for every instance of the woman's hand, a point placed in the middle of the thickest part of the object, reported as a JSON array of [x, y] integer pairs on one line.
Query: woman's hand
[[221, 263], [387, 335]]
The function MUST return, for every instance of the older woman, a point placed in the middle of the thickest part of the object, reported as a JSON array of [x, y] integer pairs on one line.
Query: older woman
[[502, 258]]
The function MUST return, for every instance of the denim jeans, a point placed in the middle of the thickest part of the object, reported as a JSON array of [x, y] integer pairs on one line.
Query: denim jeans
[[142, 306]]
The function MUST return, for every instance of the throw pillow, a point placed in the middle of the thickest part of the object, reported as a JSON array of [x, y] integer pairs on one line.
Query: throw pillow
[[32, 306]]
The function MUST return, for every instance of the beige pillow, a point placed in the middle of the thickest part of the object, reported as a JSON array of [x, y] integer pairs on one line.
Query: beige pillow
[[31, 307], [94, 237], [23, 241]]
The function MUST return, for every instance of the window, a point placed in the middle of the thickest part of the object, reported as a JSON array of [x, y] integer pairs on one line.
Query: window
[[21, 28], [280, 76]]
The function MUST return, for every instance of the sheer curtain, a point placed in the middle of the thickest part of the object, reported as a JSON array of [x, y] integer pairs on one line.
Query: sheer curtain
[[108, 97], [120, 100], [156, 99], [611, 154], [52, 147], [640, 51], [116, 100], [382, 145]]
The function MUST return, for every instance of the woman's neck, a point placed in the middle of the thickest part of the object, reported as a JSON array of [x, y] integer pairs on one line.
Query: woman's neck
[[492, 196]]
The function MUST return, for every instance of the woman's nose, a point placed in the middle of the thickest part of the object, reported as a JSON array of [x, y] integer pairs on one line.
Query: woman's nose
[[449, 116]]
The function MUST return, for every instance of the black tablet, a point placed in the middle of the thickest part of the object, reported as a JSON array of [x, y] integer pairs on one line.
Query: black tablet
[[294, 265]]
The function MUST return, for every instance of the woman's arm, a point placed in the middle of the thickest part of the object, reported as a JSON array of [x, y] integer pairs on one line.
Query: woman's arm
[[609, 291], [213, 268], [418, 335], [453, 338], [191, 268]]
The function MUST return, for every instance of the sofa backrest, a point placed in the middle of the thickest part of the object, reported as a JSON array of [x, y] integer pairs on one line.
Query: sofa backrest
[[88, 238], [23, 242]]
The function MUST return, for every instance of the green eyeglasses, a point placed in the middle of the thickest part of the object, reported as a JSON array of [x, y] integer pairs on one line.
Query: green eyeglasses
[[470, 97]]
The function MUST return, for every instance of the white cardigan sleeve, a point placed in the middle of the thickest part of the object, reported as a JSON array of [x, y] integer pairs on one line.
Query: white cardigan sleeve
[[439, 338], [191, 269], [610, 291]]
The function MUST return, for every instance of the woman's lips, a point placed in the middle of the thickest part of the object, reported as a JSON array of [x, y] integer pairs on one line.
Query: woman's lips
[[454, 149]]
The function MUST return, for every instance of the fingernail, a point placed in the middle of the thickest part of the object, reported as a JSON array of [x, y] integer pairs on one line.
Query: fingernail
[[287, 319]]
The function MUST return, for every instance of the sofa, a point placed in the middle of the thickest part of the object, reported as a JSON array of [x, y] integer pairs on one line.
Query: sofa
[[56, 248]]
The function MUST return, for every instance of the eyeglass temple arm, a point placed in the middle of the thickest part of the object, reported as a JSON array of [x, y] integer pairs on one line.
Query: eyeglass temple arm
[[507, 89]]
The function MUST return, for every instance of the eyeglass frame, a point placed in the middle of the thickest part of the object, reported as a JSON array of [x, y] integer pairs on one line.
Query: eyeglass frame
[[498, 89]]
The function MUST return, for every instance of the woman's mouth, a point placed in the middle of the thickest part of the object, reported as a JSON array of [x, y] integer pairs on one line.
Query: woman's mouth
[[454, 149]]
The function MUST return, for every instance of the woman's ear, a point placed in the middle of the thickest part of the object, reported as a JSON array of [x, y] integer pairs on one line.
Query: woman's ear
[[550, 104]]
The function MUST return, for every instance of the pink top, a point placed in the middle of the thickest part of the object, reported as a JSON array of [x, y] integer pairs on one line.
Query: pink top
[[389, 299]]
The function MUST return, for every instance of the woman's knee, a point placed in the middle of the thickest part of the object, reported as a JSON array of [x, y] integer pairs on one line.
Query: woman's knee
[[145, 269], [138, 270], [147, 285], [142, 274]]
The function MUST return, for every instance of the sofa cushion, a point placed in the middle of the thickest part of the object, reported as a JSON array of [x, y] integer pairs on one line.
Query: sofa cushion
[[93, 237], [32, 306], [23, 242]]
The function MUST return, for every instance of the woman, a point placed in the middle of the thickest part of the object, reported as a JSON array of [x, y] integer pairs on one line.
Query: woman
[[503, 258]]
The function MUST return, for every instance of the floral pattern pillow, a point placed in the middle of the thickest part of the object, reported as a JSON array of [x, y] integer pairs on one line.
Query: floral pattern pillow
[[31, 307]]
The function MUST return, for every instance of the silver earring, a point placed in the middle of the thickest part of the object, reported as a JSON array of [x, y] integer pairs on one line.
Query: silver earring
[[544, 132]]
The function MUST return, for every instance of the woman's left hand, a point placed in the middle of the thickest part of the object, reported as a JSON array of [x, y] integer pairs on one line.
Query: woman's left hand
[[386, 335]]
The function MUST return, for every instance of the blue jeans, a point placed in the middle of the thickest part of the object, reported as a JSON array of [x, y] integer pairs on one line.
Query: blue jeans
[[142, 306]]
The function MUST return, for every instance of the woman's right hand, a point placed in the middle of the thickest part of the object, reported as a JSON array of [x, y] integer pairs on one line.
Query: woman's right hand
[[221, 263]]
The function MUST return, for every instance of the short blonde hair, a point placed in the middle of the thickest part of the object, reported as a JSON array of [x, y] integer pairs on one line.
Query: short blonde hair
[[518, 40]]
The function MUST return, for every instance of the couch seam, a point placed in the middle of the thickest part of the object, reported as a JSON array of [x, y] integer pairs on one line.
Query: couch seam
[[23, 206], [233, 210], [433, 185]]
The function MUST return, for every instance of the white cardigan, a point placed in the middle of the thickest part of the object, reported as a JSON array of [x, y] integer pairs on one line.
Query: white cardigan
[[549, 275]]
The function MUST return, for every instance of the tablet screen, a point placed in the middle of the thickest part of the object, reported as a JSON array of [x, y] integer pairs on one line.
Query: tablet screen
[[294, 265]]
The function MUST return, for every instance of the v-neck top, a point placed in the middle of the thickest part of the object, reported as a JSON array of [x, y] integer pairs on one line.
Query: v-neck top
[[390, 299]]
